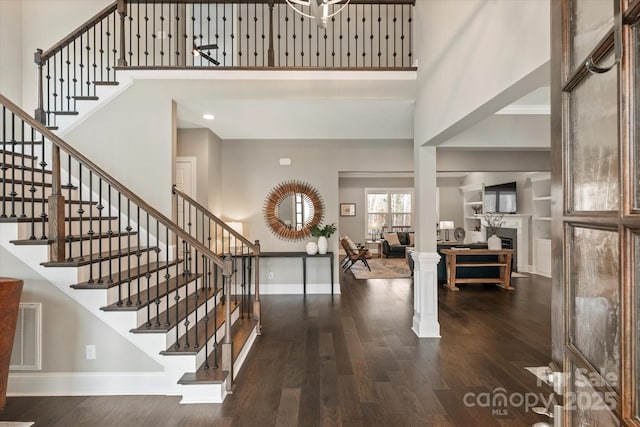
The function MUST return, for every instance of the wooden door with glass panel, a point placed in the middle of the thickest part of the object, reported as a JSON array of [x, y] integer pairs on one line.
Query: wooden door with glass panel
[[596, 227]]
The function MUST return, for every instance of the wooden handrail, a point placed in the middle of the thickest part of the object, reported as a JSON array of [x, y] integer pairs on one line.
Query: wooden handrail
[[411, 2], [161, 218], [78, 31], [255, 248]]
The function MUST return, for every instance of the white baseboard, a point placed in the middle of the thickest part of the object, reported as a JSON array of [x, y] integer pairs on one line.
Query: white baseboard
[[296, 288], [90, 384]]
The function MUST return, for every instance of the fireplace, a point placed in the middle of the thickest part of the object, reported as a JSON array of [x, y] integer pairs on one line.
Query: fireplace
[[509, 238]]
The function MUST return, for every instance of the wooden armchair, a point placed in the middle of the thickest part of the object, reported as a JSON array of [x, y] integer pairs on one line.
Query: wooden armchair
[[353, 256]]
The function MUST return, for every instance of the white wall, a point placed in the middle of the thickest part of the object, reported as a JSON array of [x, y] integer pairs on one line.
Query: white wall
[[11, 50], [505, 131], [470, 51], [250, 169], [67, 328], [132, 139]]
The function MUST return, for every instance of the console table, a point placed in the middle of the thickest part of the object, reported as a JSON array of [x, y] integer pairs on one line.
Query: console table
[[503, 262], [304, 257]]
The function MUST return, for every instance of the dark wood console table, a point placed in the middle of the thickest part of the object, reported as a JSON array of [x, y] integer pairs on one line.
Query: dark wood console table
[[304, 257], [503, 262]]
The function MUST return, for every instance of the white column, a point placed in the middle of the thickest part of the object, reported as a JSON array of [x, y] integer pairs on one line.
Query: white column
[[425, 295], [425, 280]]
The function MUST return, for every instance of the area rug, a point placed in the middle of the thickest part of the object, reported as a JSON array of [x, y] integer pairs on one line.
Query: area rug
[[382, 268]]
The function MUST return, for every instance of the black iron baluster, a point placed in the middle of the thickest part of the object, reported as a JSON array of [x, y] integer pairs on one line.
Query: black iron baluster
[[177, 297], [153, 35], [81, 66], [32, 189], [95, 64], [128, 229], [148, 272], [162, 35], [68, 62], [410, 55], [215, 315], [395, 35], [386, 20], [80, 210], [206, 312], [158, 271], [90, 232], [100, 207], [138, 255], [102, 49], [402, 34], [69, 187], [75, 77], [167, 275], [130, 18], [146, 34], [110, 233], [22, 184], [379, 36], [119, 249], [255, 34], [43, 214]]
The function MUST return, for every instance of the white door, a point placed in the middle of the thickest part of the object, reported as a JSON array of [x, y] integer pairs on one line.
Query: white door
[[185, 182]]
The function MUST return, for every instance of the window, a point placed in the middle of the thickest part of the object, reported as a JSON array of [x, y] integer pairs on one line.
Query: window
[[388, 208]]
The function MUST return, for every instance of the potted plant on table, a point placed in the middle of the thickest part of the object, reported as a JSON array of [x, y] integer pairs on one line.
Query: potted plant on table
[[493, 223], [323, 233]]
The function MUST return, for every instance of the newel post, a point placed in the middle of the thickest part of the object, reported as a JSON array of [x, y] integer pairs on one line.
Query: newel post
[[56, 210], [39, 113], [271, 60], [256, 302], [122, 11]]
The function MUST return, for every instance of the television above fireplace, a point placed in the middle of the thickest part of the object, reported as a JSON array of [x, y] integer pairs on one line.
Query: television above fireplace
[[500, 198]]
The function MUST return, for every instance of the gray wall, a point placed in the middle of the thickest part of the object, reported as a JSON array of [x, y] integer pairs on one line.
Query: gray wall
[[465, 160], [206, 147], [67, 328], [352, 190], [450, 199], [250, 169]]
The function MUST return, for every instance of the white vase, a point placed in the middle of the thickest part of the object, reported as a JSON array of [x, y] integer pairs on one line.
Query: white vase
[[323, 245], [494, 243], [312, 248]]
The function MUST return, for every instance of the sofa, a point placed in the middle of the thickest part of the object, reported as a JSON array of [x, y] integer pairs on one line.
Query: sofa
[[394, 244]]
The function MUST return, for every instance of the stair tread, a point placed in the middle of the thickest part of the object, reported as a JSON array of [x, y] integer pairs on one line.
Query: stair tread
[[25, 168], [21, 181], [213, 324], [65, 113], [92, 258], [13, 153], [73, 218], [46, 200], [73, 238], [158, 323], [104, 283], [105, 83], [155, 291], [85, 98], [240, 332]]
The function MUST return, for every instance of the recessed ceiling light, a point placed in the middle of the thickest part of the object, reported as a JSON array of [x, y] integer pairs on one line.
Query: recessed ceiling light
[[208, 116]]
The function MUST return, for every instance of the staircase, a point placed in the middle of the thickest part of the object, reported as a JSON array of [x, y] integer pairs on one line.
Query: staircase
[[163, 286]]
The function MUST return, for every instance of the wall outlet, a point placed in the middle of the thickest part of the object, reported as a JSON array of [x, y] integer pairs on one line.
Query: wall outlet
[[271, 275], [90, 352]]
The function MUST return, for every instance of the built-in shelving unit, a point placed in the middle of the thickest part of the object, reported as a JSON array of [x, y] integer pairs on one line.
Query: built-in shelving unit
[[541, 232], [472, 197]]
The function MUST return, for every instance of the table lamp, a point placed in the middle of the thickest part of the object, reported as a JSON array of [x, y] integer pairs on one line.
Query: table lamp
[[446, 226]]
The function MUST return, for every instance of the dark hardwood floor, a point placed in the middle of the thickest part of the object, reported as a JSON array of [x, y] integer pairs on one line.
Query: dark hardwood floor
[[352, 360]]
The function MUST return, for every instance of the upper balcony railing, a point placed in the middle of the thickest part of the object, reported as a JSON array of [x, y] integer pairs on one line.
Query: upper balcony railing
[[265, 34]]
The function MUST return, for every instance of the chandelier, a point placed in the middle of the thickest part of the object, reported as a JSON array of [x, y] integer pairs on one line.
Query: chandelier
[[317, 9]]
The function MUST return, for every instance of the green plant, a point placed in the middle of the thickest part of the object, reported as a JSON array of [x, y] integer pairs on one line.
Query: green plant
[[325, 231]]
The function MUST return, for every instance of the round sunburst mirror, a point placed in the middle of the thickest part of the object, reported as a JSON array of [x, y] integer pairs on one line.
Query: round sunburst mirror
[[292, 208]]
